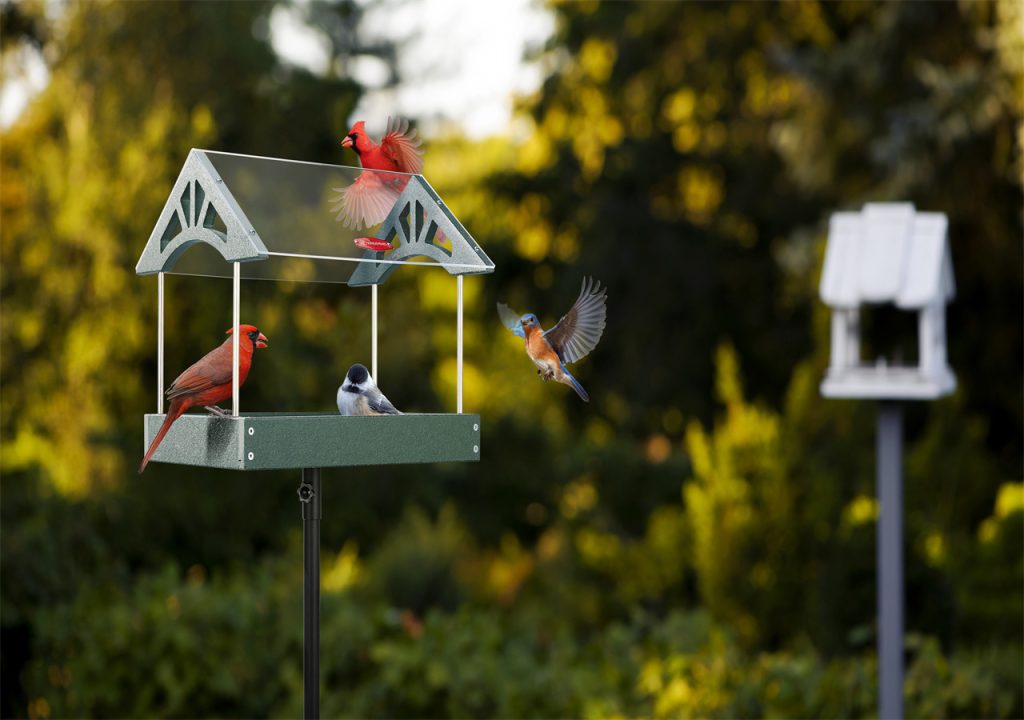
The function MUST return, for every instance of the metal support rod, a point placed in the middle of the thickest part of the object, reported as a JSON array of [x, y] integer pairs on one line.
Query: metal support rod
[[373, 332], [159, 343], [458, 340], [890, 560], [236, 291], [309, 496]]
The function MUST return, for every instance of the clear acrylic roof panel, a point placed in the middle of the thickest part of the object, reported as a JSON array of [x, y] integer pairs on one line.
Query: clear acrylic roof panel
[[285, 219]]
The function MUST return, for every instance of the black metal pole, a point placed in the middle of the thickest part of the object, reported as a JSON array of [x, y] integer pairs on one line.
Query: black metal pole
[[309, 495], [890, 560]]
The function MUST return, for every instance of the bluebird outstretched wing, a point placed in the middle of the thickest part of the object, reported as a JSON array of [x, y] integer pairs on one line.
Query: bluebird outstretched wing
[[510, 320], [580, 329]]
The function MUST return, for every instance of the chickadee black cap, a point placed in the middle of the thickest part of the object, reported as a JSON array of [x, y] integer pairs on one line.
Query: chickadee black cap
[[358, 373]]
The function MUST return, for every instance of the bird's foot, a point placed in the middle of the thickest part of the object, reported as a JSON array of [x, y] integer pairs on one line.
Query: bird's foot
[[216, 411]]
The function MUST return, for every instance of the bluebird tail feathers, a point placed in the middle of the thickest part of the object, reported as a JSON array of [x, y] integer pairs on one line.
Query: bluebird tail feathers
[[576, 386]]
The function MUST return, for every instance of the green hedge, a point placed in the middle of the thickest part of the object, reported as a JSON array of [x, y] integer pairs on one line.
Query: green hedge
[[178, 644]]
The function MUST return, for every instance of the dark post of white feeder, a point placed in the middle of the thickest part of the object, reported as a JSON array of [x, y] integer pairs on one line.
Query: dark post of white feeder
[[888, 254]]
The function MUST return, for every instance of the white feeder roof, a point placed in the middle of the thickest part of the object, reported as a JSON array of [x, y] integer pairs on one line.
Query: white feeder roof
[[888, 252]]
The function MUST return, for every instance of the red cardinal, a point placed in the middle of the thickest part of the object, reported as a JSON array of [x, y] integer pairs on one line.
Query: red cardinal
[[397, 152], [208, 382], [368, 200]]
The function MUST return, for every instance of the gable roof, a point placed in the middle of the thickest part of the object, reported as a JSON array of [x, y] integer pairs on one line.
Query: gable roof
[[252, 208], [888, 252]]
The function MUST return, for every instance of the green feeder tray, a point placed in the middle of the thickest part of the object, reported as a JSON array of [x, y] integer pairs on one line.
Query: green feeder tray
[[273, 441]]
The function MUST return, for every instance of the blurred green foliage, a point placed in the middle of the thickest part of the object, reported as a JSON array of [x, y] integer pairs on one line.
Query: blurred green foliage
[[698, 541], [188, 645]]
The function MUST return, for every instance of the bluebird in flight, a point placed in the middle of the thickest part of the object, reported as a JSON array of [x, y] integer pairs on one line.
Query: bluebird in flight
[[575, 335], [358, 395]]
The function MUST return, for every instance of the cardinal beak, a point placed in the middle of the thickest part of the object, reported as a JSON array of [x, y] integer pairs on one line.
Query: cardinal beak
[[261, 341], [347, 142]]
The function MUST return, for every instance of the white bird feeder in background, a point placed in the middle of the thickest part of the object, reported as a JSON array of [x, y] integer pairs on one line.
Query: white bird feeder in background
[[888, 253]]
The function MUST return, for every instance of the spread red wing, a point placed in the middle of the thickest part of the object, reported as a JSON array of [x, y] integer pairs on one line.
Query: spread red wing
[[402, 148], [580, 329], [366, 202]]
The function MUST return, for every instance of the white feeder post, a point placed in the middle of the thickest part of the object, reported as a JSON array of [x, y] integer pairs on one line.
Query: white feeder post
[[236, 291], [888, 253], [458, 340], [852, 337], [160, 344], [373, 332]]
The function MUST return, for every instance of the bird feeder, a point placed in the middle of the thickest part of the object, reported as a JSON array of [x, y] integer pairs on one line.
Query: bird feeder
[[888, 253], [279, 219], [269, 219]]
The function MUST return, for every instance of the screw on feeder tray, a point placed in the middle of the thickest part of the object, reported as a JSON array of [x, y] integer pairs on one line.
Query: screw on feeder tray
[[252, 431]]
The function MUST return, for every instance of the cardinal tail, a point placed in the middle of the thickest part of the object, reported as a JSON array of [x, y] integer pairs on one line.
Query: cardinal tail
[[173, 413], [576, 386]]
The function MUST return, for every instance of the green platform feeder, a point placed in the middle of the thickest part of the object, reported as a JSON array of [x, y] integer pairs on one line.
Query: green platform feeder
[[280, 219]]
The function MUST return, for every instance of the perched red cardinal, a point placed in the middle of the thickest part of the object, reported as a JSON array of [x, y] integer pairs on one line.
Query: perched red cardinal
[[208, 382], [368, 200]]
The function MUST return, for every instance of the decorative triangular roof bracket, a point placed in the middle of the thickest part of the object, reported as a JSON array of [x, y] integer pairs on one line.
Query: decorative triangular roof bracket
[[422, 226], [200, 209]]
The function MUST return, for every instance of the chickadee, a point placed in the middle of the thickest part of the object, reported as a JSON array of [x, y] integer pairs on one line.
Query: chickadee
[[358, 395]]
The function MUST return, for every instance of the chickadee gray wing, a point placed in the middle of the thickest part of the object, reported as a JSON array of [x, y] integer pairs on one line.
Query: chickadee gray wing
[[380, 404]]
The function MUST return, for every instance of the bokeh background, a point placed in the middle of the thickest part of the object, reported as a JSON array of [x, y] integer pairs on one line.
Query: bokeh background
[[697, 541]]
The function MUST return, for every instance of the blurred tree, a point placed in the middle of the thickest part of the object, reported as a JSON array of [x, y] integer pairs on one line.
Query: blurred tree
[[689, 155], [85, 170]]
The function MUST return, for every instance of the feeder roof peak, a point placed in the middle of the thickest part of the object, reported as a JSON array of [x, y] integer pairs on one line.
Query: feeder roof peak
[[887, 253]]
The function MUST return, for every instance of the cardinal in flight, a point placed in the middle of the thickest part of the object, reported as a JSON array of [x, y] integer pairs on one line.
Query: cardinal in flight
[[208, 382], [369, 199], [571, 339]]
